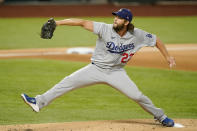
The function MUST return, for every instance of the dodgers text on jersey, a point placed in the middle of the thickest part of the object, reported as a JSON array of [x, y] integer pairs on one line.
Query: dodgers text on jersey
[[113, 48]]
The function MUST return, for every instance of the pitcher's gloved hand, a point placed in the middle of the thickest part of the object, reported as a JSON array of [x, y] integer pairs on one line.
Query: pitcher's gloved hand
[[47, 29]]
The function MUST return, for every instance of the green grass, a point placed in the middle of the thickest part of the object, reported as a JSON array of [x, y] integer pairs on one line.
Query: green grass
[[171, 30], [24, 32], [174, 91]]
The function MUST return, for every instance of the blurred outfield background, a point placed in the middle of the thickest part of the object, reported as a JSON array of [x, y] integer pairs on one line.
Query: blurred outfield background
[[20, 22]]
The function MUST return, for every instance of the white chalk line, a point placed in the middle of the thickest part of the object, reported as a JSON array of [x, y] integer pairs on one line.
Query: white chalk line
[[62, 53]]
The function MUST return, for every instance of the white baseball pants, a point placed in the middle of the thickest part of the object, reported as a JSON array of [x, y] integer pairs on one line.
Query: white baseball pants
[[91, 74]]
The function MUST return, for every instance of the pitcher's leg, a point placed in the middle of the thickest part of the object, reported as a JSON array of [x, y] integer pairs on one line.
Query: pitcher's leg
[[83, 77], [121, 81]]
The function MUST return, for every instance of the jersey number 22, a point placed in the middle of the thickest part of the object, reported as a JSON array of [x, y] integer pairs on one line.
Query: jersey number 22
[[126, 57]]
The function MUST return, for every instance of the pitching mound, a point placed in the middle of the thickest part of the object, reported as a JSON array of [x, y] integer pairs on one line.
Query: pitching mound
[[115, 125]]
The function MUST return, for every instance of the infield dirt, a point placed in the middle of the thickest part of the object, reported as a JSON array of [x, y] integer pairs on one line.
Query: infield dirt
[[110, 125], [185, 55]]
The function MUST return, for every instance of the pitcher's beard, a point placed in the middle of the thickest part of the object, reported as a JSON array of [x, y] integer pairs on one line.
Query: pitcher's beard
[[118, 27]]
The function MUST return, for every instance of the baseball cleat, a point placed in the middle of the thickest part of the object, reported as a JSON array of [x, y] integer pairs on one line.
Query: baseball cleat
[[31, 102], [167, 122]]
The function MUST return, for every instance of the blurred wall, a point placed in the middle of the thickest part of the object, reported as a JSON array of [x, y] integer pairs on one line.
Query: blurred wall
[[97, 1], [72, 8]]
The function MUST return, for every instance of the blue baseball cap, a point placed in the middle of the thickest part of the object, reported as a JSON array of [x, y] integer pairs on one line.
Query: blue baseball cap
[[124, 13]]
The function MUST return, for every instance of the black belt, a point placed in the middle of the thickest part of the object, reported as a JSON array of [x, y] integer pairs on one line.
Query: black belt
[[97, 66]]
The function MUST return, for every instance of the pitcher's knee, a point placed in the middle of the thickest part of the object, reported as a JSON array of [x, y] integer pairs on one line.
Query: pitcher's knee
[[137, 97]]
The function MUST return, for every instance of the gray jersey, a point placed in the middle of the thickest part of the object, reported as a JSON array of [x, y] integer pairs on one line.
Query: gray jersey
[[113, 51]]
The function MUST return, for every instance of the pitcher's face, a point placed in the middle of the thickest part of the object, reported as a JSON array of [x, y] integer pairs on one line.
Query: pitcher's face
[[119, 23]]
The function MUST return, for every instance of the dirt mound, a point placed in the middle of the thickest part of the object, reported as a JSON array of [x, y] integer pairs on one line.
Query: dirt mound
[[113, 125]]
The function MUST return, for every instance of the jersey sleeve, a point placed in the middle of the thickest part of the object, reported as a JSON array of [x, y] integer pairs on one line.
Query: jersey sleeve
[[99, 28], [145, 38]]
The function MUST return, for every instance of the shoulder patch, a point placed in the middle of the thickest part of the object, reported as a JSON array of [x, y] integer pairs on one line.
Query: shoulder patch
[[149, 36]]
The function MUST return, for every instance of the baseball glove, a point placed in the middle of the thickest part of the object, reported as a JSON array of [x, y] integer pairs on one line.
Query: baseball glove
[[47, 29]]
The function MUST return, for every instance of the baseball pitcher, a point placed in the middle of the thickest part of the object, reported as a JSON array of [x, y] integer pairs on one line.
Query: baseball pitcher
[[115, 46]]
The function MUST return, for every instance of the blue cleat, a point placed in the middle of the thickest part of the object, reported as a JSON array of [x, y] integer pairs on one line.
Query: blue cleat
[[31, 102], [168, 122]]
